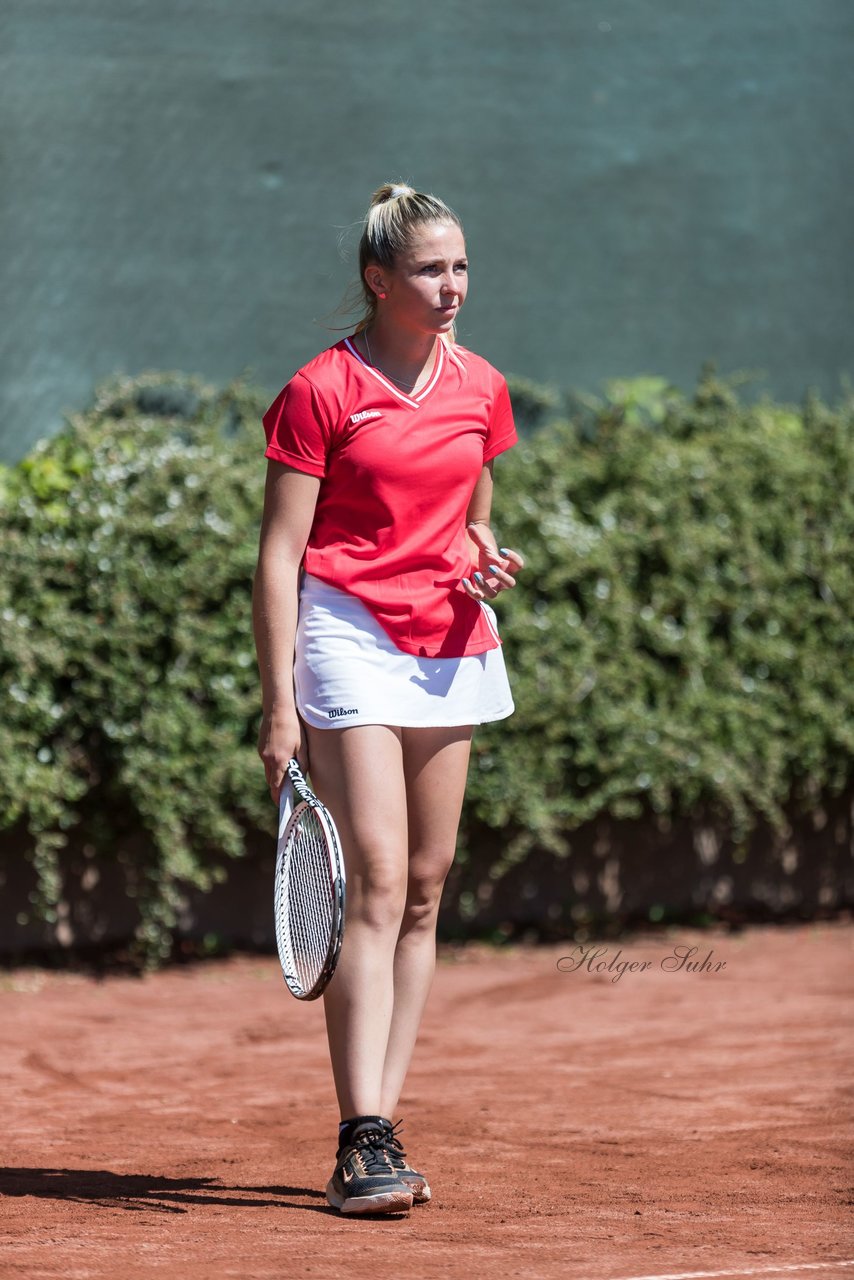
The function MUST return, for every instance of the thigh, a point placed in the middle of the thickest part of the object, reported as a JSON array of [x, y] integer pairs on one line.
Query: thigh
[[358, 774], [435, 765]]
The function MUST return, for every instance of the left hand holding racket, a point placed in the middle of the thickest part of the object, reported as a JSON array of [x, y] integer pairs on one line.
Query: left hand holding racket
[[280, 741]]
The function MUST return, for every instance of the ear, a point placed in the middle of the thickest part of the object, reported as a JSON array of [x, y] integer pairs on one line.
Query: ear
[[374, 279]]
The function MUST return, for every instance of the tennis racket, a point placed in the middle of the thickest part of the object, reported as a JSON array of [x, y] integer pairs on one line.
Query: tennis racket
[[309, 889]]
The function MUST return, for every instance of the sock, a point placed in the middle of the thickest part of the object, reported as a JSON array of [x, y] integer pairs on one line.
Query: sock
[[346, 1127]]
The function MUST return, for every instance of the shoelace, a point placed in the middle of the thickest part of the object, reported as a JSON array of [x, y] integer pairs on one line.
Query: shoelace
[[396, 1155], [371, 1148]]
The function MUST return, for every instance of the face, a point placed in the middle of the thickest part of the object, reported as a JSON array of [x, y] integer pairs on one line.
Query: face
[[429, 281]]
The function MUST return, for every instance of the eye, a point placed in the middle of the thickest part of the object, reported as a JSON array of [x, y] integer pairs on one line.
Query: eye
[[461, 266]]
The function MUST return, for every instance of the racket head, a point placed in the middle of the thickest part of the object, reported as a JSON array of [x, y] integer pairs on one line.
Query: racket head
[[309, 892]]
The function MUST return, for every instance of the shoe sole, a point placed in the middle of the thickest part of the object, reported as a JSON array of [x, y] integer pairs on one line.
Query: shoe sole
[[383, 1202], [420, 1191]]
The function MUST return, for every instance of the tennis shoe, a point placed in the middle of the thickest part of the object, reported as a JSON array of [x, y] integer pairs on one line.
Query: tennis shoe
[[364, 1180], [416, 1182]]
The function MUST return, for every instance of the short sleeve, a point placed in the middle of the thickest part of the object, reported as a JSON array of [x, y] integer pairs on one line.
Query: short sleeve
[[501, 429], [297, 427]]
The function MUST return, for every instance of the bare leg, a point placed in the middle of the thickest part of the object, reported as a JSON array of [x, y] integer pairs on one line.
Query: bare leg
[[435, 765], [358, 773]]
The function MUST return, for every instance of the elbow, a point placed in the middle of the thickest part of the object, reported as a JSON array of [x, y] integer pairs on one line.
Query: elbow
[[280, 554]]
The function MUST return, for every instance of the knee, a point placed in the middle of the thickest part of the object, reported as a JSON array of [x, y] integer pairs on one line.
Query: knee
[[380, 894], [426, 881]]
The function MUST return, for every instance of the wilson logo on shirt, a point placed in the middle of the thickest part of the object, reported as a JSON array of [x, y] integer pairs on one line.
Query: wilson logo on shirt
[[365, 415], [342, 711]]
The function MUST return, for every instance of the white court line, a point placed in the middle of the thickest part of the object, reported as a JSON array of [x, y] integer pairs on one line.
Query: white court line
[[787, 1268]]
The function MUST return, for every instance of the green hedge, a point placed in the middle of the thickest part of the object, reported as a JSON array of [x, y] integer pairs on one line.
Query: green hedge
[[130, 689], [682, 632]]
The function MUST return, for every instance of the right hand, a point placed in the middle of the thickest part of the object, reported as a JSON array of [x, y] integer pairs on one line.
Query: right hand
[[279, 739]]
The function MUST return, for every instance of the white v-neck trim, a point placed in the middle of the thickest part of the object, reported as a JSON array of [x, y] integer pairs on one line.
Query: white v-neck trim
[[414, 402]]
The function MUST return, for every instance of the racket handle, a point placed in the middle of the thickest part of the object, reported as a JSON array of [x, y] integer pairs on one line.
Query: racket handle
[[299, 783]]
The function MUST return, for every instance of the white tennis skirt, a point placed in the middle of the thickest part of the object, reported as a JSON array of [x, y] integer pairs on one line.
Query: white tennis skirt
[[347, 670]]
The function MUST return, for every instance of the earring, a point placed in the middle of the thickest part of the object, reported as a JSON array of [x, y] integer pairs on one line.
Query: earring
[[381, 295]]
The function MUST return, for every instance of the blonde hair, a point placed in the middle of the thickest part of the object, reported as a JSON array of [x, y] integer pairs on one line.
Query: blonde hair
[[393, 214]]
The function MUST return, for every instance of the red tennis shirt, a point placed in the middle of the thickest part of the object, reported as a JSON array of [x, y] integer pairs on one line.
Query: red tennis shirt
[[397, 475]]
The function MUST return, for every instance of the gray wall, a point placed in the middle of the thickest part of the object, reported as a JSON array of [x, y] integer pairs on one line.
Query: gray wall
[[645, 184]]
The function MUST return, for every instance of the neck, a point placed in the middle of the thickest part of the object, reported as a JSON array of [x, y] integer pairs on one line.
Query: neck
[[398, 352]]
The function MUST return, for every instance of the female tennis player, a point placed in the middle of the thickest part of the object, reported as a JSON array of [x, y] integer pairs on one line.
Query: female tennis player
[[377, 648]]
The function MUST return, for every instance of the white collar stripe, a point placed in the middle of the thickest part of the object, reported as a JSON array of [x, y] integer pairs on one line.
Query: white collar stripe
[[389, 386], [414, 403], [431, 384]]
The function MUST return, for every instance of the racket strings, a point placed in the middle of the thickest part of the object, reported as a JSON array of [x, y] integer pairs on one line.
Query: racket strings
[[307, 909]]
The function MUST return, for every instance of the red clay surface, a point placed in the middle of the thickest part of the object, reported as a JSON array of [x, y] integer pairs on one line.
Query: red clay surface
[[571, 1125]]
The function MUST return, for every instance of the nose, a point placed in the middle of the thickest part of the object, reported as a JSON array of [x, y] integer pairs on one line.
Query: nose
[[450, 286]]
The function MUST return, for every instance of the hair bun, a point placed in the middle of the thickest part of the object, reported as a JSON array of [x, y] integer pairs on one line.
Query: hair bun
[[400, 190]]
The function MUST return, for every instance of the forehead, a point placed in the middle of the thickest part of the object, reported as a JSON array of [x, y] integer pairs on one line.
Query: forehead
[[434, 240]]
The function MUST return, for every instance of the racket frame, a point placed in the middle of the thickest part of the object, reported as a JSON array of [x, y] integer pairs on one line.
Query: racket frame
[[289, 818]]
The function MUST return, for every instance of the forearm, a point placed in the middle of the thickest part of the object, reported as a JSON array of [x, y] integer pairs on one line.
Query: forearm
[[480, 509], [275, 603]]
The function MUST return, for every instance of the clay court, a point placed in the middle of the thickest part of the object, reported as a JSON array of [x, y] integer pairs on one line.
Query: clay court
[[573, 1123]]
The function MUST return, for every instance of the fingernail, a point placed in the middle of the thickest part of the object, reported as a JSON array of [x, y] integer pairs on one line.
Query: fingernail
[[493, 568], [479, 577], [502, 551], [466, 581]]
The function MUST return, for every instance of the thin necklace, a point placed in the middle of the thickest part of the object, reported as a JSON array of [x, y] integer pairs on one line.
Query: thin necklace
[[374, 365]]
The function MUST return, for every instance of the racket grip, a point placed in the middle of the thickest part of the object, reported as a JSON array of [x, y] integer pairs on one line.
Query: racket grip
[[299, 783]]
